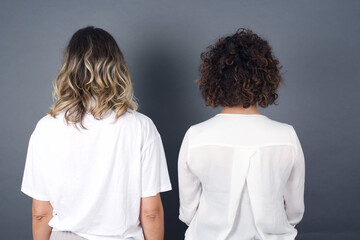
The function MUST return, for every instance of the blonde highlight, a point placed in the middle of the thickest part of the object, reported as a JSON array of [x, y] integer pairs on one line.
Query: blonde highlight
[[93, 78]]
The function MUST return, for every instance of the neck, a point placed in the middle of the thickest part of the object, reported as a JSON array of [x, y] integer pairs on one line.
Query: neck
[[240, 110]]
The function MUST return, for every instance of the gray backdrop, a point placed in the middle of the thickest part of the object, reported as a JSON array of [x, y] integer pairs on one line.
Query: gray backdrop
[[317, 42]]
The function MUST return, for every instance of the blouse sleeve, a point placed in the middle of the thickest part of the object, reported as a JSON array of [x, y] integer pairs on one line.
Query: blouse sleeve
[[33, 183], [154, 171], [294, 191], [189, 184]]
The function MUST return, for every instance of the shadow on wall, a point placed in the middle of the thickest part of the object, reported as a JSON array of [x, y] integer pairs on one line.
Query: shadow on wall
[[161, 80]]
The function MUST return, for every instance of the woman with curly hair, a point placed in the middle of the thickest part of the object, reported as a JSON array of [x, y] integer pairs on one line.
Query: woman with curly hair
[[241, 174], [95, 166]]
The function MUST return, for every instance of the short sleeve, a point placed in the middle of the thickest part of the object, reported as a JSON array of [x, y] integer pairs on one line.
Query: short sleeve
[[154, 171], [33, 184]]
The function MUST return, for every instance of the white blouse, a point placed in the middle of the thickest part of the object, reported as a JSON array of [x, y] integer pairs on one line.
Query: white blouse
[[241, 176], [95, 178]]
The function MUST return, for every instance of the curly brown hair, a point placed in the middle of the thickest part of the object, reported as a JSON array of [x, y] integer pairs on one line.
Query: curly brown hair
[[239, 70]]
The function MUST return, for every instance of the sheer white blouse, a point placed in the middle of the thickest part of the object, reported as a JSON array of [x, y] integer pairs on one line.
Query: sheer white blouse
[[241, 176]]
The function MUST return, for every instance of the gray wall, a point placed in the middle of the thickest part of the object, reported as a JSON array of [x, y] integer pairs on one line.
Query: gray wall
[[317, 42]]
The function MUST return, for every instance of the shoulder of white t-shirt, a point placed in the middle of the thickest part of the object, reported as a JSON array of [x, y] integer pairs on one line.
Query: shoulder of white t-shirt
[[146, 123], [144, 120], [47, 119]]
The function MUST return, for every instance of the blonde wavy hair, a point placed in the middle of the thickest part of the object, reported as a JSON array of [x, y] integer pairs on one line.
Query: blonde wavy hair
[[93, 78]]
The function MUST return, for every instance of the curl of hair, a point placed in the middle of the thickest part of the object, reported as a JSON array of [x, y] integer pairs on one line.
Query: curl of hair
[[239, 70], [93, 78]]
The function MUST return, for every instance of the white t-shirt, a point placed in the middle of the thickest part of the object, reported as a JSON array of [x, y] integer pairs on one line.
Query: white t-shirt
[[241, 177], [95, 178]]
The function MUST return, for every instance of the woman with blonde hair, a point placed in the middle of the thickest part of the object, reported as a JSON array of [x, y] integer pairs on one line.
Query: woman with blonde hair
[[95, 166], [241, 174]]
